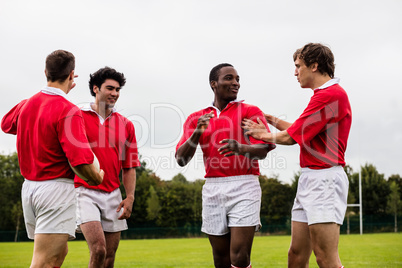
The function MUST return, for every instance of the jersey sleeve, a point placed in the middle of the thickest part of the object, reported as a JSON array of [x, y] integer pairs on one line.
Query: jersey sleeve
[[311, 122], [188, 128], [73, 138], [10, 120], [131, 151]]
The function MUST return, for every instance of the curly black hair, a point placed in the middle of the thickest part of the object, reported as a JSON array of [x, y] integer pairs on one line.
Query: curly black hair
[[99, 77]]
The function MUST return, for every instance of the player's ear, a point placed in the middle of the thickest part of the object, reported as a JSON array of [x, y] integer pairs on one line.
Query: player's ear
[[95, 89], [71, 75], [314, 67], [213, 85]]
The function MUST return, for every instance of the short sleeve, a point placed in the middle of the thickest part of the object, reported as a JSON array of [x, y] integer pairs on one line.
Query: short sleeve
[[10, 120], [131, 151], [311, 122], [73, 138], [188, 128]]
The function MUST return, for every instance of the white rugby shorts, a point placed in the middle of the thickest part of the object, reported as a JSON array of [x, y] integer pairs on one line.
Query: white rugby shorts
[[95, 205], [49, 207], [230, 202], [321, 196]]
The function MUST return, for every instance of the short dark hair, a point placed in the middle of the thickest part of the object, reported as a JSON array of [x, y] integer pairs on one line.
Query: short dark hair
[[317, 53], [59, 65], [99, 77], [214, 74]]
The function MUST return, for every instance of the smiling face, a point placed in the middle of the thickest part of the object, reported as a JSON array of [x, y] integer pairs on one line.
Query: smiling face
[[108, 94], [227, 86]]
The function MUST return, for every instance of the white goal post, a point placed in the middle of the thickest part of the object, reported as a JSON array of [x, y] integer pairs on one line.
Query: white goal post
[[360, 203]]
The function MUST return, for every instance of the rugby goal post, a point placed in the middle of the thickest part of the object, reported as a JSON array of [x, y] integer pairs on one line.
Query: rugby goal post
[[360, 203]]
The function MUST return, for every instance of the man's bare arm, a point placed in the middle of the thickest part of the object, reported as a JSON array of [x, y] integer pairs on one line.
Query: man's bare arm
[[258, 131], [187, 150], [276, 122]]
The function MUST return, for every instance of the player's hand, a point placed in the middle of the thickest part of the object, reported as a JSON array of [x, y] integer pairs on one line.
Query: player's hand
[[271, 119], [203, 121], [231, 147], [74, 84], [125, 208], [256, 130]]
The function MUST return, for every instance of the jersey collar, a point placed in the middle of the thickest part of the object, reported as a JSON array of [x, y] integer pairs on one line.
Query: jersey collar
[[331, 82], [88, 108], [54, 91], [218, 112]]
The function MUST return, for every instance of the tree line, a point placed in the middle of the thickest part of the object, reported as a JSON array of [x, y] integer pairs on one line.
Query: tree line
[[175, 204]]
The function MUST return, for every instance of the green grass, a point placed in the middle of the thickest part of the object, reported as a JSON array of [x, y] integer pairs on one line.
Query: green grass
[[369, 250]]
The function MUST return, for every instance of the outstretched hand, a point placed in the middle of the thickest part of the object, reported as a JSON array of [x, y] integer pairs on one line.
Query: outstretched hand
[[256, 130]]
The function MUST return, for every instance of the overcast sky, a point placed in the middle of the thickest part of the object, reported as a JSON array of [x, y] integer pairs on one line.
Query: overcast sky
[[167, 48]]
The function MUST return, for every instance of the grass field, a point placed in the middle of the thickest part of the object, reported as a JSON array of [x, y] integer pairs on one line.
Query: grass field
[[369, 250]]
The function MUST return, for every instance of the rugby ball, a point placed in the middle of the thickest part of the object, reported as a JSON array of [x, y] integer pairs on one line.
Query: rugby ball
[[95, 163]]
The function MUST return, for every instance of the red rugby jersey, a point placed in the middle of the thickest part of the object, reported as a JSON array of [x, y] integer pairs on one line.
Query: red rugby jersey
[[323, 128], [225, 126], [50, 132], [114, 143]]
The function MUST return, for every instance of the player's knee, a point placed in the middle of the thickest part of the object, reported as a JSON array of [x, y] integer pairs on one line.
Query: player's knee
[[292, 256], [221, 258], [110, 257], [64, 253], [240, 258], [294, 253], [321, 261], [99, 252], [297, 258], [323, 258], [291, 253], [221, 261], [221, 252], [60, 258]]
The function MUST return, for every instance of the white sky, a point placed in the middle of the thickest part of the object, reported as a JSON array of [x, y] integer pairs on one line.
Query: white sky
[[167, 48]]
